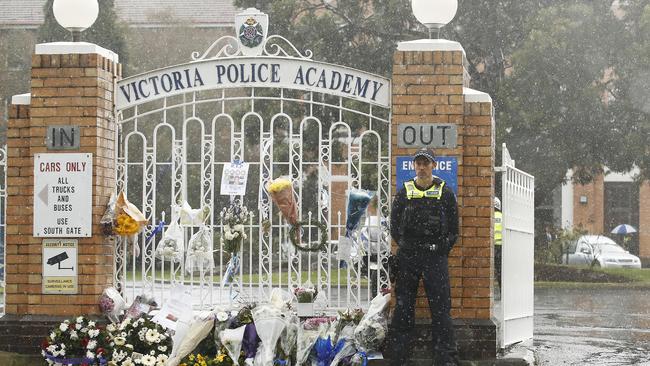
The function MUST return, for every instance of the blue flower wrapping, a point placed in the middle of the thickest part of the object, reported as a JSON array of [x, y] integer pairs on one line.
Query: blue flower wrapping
[[77, 361], [251, 341], [325, 350], [231, 270], [358, 201]]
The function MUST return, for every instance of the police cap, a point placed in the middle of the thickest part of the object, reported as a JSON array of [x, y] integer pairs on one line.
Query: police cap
[[425, 152]]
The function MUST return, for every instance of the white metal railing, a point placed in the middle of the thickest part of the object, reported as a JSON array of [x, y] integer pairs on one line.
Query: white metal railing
[[350, 286], [517, 292]]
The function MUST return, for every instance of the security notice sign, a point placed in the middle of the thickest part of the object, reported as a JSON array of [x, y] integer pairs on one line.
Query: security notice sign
[[60, 266], [63, 195]]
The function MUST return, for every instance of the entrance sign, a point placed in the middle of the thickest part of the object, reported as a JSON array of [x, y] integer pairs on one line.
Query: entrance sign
[[60, 266], [234, 178], [63, 137], [63, 195], [432, 135], [270, 72], [446, 168]]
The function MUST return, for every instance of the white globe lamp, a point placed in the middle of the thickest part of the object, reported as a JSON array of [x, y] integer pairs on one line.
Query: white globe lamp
[[75, 15], [434, 14]]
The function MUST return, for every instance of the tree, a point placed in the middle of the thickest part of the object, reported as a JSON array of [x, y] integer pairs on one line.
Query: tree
[[569, 103], [359, 34], [629, 89], [106, 32]]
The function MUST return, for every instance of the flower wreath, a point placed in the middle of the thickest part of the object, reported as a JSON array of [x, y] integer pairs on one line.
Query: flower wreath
[[294, 235]]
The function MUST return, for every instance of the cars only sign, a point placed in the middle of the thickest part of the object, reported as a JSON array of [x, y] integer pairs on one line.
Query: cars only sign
[[63, 195]]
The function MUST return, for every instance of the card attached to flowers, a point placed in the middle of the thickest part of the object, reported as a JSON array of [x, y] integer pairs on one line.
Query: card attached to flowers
[[234, 178], [176, 309]]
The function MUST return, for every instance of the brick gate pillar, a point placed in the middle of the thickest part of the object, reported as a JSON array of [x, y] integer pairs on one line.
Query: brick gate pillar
[[72, 84], [430, 86]]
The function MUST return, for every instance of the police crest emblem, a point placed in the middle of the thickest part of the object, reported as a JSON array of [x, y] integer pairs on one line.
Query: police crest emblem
[[251, 33], [251, 27]]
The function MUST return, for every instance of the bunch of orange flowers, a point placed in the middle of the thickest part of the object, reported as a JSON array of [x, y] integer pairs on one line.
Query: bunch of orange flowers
[[126, 225]]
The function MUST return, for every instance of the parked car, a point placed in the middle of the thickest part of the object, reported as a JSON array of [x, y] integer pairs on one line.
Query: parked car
[[601, 251]]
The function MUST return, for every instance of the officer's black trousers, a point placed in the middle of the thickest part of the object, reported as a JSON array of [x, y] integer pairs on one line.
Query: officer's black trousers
[[415, 263]]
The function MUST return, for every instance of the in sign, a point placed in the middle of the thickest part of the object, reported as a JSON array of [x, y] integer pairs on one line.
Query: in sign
[[63, 137]]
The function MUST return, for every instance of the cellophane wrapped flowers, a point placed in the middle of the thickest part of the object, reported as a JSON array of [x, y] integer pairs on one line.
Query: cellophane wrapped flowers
[[234, 217], [281, 191], [138, 342], [75, 342]]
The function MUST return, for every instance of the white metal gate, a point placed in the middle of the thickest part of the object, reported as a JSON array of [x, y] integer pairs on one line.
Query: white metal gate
[[174, 144], [517, 290]]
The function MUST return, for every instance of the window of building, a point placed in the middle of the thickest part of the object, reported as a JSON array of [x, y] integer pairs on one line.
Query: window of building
[[622, 207]]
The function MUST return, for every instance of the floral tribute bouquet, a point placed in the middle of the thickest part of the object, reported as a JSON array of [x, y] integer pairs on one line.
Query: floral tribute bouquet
[[281, 193], [138, 342], [233, 217], [129, 221], [358, 200], [369, 335], [221, 359], [308, 333], [111, 303], [76, 342]]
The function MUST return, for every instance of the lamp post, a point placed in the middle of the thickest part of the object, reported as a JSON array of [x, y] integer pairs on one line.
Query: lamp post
[[434, 14], [75, 15]]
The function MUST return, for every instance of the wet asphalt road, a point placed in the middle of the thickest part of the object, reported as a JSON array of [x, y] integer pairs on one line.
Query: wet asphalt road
[[592, 326]]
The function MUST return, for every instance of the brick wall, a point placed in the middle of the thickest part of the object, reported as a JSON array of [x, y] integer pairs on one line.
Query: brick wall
[[69, 89], [428, 88], [590, 215]]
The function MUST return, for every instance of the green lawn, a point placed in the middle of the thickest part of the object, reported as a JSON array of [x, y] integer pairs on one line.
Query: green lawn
[[636, 275], [639, 278]]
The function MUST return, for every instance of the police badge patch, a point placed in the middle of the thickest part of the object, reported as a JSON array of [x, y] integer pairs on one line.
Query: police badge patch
[[251, 33]]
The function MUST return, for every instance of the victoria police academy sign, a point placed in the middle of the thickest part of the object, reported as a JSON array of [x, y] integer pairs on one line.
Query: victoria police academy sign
[[274, 72]]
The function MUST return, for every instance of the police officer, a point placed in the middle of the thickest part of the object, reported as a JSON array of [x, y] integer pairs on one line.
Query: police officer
[[424, 223], [498, 239]]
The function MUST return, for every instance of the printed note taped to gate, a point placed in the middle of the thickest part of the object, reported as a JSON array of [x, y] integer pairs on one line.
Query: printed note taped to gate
[[234, 178], [63, 186]]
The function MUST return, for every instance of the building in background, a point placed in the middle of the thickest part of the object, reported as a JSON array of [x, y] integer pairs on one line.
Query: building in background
[[611, 199]]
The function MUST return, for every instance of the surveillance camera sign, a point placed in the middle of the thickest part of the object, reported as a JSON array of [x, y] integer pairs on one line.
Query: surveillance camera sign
[[63, 195], [60, 266]]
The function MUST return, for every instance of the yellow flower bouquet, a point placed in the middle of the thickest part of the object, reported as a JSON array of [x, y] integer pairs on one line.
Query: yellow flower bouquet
[[130, 220], [281, 193]]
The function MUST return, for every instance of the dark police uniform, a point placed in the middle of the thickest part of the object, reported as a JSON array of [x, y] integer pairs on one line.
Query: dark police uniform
[[424, 223]]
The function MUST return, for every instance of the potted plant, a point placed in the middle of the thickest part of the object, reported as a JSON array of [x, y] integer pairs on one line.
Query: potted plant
[[305, 297]]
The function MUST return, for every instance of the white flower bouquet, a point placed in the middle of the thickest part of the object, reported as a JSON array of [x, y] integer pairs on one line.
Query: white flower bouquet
[[140, 342], [234, 218], [75, 342], [269, 323], [370, 334]]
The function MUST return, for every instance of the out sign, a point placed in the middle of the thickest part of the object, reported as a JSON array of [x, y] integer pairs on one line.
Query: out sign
[[433, 135], [63, 137]]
